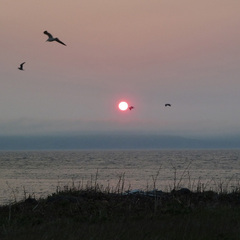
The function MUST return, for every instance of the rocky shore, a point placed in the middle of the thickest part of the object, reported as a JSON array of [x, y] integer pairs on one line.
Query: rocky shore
[[73, 213]]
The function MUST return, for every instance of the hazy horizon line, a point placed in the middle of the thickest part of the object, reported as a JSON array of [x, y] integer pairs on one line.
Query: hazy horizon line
[[121, 141]]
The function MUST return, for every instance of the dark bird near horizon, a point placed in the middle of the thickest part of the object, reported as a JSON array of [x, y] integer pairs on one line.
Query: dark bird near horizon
[[131, 107], [21, 66], [168, 105], [51, 38]]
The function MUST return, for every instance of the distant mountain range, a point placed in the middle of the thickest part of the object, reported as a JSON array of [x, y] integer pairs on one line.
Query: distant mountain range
[[108, 141]]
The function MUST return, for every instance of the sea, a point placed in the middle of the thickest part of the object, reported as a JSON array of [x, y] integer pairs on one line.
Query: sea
[[41, 173]]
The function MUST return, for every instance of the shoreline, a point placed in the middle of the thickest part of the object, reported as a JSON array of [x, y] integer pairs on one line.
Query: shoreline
[[160, 215]]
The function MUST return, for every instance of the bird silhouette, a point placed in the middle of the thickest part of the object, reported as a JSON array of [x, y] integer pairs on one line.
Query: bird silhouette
[[21, 66], [168, 105], [131, 107], [51, 38]]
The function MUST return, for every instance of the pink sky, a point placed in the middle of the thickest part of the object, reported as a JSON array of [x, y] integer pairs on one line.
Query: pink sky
[[145, 52]]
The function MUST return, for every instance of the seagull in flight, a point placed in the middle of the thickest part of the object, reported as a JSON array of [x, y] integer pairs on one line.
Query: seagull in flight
[[51, 38], [168, 105], [131, 107], [21, 66]]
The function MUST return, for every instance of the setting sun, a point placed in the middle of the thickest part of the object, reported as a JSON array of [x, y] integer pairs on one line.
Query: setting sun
[[123, 106]]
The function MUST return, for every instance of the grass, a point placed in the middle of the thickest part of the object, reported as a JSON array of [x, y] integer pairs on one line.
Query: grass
[[91, 212]]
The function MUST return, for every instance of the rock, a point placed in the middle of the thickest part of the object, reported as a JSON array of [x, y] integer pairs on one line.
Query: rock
[[30, 200], [182, 191]]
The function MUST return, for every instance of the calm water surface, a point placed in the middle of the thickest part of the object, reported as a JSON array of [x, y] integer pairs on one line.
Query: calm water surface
[[41, 173]]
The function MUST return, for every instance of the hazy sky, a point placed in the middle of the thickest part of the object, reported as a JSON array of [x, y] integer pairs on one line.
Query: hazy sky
[[147, 52]]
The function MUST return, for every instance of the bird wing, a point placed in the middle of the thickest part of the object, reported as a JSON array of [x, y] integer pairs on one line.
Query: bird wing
[[60, 41], [49, 34], [22, 64]]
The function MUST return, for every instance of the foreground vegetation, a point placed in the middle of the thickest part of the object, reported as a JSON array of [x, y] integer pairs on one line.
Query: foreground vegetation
[[91, 213]]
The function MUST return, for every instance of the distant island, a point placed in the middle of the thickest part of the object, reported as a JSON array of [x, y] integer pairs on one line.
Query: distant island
[[115, 141]]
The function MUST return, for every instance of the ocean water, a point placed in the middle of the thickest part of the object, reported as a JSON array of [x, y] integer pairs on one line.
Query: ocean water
[[41, 173]]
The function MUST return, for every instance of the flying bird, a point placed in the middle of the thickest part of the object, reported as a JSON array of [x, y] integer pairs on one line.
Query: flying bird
[[21, 66], [131, 107], [51, 38], [168, 105]]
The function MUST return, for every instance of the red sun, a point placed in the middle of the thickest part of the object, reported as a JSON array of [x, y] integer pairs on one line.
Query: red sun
[[123, 106]]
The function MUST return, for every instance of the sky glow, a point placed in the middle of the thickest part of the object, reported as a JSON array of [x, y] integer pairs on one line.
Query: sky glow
[[153, 52]]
